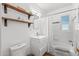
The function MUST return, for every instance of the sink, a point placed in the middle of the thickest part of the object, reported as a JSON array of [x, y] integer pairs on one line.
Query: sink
[[38, 36]]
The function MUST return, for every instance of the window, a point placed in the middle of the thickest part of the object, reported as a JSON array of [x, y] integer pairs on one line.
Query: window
[[65, 22]]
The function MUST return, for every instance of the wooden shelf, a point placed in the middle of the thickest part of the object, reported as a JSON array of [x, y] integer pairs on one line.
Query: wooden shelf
[[17, 20], [19, 9]]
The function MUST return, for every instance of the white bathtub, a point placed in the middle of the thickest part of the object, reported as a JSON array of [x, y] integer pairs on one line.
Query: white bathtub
[[62, 49]]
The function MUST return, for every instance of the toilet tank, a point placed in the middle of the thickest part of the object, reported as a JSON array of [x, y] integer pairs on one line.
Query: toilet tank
[[18, 50]]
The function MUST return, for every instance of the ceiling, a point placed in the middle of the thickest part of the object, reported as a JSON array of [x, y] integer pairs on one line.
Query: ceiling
[[49, 7], [46, 8]]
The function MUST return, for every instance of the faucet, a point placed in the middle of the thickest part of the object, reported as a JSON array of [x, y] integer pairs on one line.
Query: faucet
[[71, 42], [37, 33]]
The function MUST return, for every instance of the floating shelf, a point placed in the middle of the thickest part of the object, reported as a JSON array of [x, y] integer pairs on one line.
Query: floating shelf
[[17, 20], [19, 9]]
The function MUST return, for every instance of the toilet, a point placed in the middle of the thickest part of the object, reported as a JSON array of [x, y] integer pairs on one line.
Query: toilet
[[18, 50]]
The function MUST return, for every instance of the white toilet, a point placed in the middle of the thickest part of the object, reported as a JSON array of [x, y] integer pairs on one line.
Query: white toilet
[[18, 50]]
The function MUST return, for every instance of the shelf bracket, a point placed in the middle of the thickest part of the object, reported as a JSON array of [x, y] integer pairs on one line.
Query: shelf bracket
[[5, 22], [5, 11], [29, 19]]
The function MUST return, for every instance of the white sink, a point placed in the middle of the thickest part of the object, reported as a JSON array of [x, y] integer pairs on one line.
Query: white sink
[[38, 37]]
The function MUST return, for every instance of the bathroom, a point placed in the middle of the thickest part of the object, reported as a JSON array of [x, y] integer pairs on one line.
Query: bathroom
[[39, 29]]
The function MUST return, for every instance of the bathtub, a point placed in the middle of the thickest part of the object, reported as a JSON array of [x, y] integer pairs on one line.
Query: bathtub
[[62, 49]]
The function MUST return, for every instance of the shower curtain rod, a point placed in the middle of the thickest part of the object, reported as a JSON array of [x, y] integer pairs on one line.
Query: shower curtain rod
[[64, 11]]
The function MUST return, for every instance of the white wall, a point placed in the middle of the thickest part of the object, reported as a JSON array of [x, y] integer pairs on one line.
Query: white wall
[[41, 25], [14, 33]]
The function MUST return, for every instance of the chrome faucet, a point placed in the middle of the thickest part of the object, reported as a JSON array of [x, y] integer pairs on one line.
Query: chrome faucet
[[71, 42], [37, 33]]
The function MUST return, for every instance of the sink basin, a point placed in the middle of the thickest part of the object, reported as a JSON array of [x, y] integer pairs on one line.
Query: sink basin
[[38, 37]]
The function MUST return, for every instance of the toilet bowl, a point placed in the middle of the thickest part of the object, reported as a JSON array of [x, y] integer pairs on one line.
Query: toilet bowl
[[18, 50]]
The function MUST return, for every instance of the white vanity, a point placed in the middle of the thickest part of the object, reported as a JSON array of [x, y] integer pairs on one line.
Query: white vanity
[[38, 45]]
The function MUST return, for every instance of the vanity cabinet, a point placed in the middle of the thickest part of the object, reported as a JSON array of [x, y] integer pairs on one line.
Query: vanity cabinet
[[38, 45]]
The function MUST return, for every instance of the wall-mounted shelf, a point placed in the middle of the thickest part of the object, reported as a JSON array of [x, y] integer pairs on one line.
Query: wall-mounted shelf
[[19, 9], [17, 20]]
